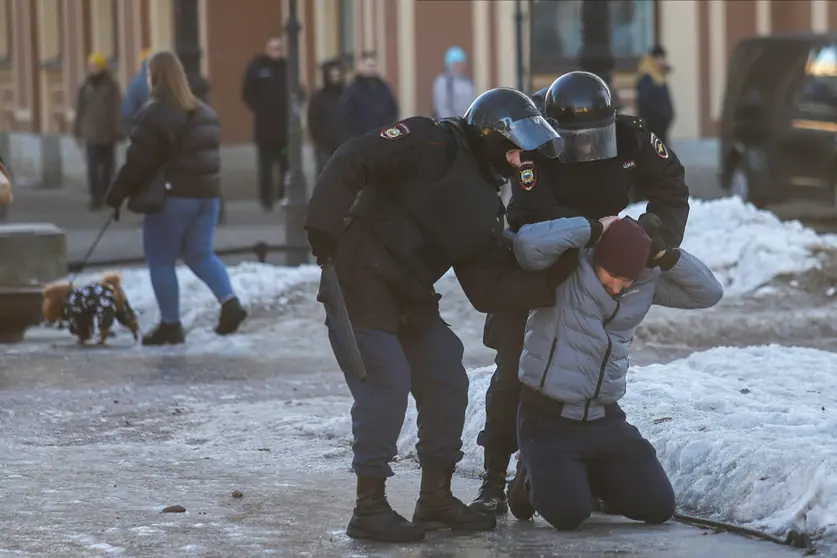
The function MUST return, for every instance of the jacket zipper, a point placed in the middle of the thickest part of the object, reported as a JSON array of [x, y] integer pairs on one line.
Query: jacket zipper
[[549, 361], [600, 381]]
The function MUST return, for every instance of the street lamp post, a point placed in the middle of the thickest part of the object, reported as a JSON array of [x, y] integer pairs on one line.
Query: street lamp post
[[518, 32], [295, 210], [596, 54]]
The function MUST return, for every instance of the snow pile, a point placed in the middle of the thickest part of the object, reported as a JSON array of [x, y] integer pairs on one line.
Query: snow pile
[[746, 435], [747, 247], [254, 283]]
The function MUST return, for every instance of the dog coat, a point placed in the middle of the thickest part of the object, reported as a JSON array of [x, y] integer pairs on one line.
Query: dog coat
[[94, 301]]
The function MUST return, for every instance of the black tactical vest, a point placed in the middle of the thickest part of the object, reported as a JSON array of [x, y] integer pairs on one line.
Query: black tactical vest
[[430, 226]]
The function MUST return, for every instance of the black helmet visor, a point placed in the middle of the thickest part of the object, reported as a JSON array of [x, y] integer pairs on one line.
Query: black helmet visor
[[588, 144], [533, 133]]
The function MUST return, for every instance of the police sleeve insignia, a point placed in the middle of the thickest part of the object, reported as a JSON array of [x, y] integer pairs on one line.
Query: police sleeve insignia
[[398, 131], [527, 174], [659, 146]]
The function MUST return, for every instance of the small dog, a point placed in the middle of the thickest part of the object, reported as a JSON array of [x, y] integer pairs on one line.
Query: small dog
[[84, 308]]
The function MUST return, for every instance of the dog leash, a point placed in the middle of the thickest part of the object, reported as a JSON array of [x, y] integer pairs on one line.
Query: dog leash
[[90, 250]]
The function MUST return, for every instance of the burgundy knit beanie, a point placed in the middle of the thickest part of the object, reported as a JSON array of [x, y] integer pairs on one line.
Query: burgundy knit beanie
[[624, 249]]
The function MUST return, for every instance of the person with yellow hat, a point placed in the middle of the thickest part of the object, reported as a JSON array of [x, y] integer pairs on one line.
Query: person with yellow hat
[[98, 125]]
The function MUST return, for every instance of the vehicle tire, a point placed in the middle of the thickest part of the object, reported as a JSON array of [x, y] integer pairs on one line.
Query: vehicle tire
[[740, 185]]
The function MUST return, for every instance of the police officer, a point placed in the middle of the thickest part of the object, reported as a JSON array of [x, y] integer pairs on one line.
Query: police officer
[[393, 210], [606, 158]]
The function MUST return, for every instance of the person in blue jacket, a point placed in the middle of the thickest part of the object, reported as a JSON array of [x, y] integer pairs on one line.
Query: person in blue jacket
[[136, 95]]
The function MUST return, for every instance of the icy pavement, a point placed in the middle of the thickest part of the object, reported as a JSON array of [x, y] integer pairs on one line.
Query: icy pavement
[[94, 451], [747, 436]]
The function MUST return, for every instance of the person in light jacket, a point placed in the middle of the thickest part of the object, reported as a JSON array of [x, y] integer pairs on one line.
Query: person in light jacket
[[575, 441], [453, 90]]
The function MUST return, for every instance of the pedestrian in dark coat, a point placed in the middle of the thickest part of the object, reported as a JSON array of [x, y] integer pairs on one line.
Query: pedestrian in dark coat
[[367, 102], [264, 90], [324, 122], [653, 98]]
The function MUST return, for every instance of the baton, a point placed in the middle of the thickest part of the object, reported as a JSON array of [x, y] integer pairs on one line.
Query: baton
[[344, 325]]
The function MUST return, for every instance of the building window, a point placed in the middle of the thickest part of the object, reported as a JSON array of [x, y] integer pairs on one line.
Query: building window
[[557, 33], [347, 32], [5, 31]]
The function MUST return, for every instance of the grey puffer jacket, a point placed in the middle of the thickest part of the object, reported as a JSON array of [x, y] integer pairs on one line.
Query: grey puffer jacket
[[576, 352]]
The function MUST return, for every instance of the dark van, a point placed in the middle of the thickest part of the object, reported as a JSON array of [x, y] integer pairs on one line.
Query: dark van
[[778, 129]]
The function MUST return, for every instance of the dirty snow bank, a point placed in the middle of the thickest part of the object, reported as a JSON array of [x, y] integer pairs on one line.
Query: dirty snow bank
[[254, 283], [747, 435], [747, 247]]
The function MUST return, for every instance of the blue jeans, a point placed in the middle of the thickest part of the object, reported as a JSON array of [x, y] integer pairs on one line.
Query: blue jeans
[[185, 228], [428, 365]]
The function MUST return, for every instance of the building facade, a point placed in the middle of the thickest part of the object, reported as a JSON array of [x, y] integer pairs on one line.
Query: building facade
[[44, 45]]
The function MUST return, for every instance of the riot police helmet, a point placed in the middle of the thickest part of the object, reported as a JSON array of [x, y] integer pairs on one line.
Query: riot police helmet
[[580, 107], [504, 119], [539, 98]]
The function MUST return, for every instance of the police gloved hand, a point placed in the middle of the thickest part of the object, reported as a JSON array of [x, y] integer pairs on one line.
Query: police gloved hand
[[653, 227], [323, 244]]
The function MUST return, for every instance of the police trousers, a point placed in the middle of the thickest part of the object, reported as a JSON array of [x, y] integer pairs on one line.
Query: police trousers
[[428, 365], [504, 333], [569, 461]]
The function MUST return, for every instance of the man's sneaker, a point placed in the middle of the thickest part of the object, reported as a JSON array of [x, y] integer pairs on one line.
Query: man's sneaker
[[519, 503]]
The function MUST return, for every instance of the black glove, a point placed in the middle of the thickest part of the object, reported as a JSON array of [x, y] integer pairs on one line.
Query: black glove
[[323, 244], [653, 227]]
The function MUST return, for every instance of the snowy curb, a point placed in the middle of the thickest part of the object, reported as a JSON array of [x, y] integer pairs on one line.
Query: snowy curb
[[746, 435]]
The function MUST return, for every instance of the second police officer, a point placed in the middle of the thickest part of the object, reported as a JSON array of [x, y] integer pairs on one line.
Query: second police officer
[[606, 159]]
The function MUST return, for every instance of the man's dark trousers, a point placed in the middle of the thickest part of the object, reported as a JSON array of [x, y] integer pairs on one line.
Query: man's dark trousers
[[568, 461], [100, 167], [270, 153], [426, 364]]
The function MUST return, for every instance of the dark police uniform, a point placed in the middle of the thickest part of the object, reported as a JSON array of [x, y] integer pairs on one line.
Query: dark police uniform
[[548, 189], [408, 203]]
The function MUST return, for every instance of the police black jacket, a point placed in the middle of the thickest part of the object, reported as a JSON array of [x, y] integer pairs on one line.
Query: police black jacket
[[192, 166], [547, 189], [407, 203]]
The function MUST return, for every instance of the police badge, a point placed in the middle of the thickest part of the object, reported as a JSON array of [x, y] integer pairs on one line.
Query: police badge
[[659, 146], [527, 174], [398, 131]]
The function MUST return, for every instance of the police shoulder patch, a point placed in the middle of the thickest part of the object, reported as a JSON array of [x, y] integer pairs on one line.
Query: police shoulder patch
[[659, 146], [394, 132], [528, 175]]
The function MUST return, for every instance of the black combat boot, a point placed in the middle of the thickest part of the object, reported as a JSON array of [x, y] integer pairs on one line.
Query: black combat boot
[[519, 503], [165, 334], [491, 497], [374, 519], [438, 509], [232, 314]]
